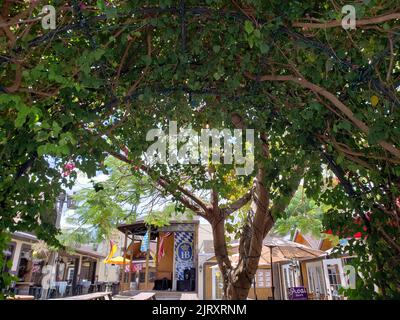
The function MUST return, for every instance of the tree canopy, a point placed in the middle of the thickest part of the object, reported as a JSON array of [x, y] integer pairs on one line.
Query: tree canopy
[[315, 93], [302, 214]]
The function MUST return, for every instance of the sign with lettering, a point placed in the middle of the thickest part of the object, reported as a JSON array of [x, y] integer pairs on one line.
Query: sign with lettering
[[183, 253], [297, 293]]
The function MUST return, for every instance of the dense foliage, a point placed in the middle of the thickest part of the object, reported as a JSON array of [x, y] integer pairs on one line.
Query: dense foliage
[[302, 214], [112, 70]]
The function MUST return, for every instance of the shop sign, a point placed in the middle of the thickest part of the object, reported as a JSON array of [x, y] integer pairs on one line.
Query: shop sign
[[297, 293]]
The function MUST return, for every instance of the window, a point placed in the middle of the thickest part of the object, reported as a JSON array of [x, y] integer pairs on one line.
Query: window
[[142, 276], [37, 276], [316, 283], [219, 283], [85, 270], [263, 278], [334, 279], [71, 203], [25, 263], [70, 274]]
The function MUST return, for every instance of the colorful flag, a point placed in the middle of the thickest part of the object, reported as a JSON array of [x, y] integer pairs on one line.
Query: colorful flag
[[145, 242], [135, 267], [113, 250], [161, 251]]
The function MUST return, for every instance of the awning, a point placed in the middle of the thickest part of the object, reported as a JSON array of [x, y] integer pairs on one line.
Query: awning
[[89, 253], [138, 228], [285, 250], [282, 250]]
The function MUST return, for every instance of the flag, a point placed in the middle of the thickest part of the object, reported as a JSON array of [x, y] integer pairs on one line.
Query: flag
[[145, 242], [161, 251], [135, 267], [113, 250]]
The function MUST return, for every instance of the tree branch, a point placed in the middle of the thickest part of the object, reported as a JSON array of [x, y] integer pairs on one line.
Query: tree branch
[[336, 23], [332, 98], [200, 207], [236, 205], [281, 203]]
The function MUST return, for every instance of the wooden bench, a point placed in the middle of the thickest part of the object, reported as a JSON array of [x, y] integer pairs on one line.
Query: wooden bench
[[144, 296], [189, 296], [90, 296]]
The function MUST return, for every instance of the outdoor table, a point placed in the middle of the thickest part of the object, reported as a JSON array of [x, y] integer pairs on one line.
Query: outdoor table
[[90, 296], [189, 296], [144, 296]]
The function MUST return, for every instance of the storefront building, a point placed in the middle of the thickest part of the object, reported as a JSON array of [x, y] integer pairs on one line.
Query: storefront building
[[170, 260], [72, 272]]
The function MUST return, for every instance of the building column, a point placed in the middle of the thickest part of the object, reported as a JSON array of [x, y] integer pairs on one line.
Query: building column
[[79, 268], [17, 253]]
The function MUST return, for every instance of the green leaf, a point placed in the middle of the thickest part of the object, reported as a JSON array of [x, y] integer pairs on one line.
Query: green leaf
[[264, 48], [248, 27], [101, 5], [21, 118], [216, 48]]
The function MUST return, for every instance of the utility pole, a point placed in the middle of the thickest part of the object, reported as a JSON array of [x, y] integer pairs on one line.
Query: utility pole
[[54, 255]]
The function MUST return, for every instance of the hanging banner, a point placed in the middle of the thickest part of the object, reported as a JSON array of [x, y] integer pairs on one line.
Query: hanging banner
[[161, 251], [135, 267], [145, 242], [183, 253]]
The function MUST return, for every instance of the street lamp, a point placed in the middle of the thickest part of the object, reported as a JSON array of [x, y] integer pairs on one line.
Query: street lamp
[[272, 272]]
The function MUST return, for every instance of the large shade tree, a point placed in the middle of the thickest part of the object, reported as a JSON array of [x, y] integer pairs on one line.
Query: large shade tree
[[315, 93]]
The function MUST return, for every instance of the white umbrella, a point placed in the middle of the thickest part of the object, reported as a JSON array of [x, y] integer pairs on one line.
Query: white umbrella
[[276, 249], [285, 250]]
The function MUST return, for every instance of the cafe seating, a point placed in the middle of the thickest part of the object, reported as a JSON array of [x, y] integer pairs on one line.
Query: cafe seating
[[163, 284]]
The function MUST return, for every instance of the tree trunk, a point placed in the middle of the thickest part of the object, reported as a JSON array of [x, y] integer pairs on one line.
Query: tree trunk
[[221, 250], [237, 280]]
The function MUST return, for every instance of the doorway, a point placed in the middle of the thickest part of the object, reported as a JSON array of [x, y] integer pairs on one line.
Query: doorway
[[316, 283], [289, 279], [217, 284], [334, 277]]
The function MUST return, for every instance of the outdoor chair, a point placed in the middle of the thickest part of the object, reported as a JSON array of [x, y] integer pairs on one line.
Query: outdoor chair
[[68, 291], [101, 286], [35, 291], [115, 288], [85, 289], [61, 288], [78, 290], [52, 293]]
